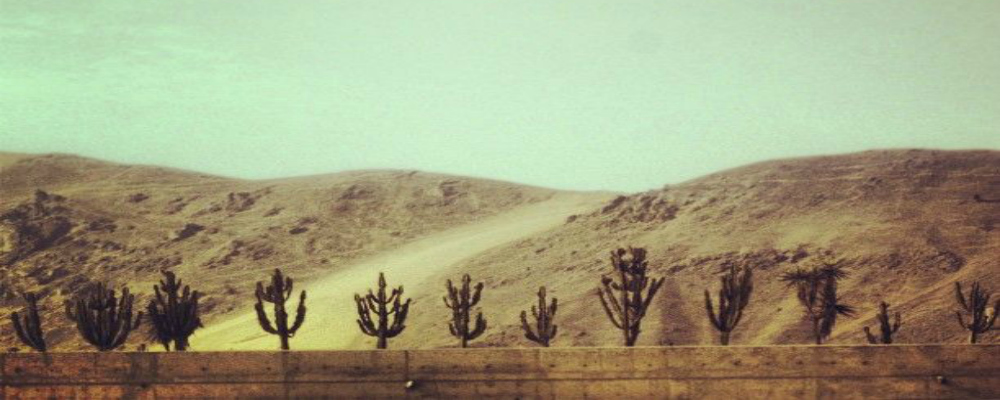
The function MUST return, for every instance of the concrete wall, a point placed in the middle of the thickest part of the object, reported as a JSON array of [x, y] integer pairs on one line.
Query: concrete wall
[[801, 372]]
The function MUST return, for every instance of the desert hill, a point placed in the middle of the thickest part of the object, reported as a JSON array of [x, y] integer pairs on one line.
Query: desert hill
[[908, 222], [66, 221]]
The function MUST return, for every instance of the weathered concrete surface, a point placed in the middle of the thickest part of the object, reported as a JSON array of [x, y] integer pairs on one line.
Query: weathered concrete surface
[[801, 372]]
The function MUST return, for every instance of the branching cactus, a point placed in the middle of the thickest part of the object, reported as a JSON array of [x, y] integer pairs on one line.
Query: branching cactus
[[461, 301], [374, 313], [278, 293], [544, 314], [817, 292], [982, 317], [737, 285], [104, 319], [887, 327], [29, 328], [627, 299], [173, 312]]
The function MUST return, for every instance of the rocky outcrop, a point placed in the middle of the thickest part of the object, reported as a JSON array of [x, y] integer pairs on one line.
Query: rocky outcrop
[[33, 226], [188, 231], [640, 208]]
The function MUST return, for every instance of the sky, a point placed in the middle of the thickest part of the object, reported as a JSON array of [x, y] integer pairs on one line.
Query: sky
[[589, 95]]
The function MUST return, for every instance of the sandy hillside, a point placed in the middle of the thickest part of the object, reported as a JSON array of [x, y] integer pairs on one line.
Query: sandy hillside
[[907, 221], [331, 307], [96, 220]]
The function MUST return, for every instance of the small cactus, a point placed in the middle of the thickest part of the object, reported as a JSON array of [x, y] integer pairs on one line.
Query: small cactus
[[277, 293], [377, 305], [29, 329], [104, 319], [887, 327], [734, 295], [982, 317], [543, 314], [461, 301]]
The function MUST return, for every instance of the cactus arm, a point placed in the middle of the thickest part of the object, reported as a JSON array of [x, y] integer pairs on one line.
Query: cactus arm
[[476, 295], [871, 338], [651, 293], [265, 323], [19, 330], [479, 329], [961, 320], [29, 330], [399, 322], [735, 320], [608, 310], [300, 314], [364, 318], [961, 297], [289, 286], [364, 328], [527, 328], [710, 309], [33, 332]]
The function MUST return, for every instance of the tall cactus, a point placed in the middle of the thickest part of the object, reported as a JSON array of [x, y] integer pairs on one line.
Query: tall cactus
[[173, 313], [374, 313], [544, 314], [461, 301], [887, 327], [277, 293], [635, 291], [982, 317], [29, 329], [734, 295], [103, 319], [817, 292]]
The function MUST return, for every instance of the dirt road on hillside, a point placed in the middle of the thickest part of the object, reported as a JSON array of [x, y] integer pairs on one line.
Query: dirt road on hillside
[[330, 320]]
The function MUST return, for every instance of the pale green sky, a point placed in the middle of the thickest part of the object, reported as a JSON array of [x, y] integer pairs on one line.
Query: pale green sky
[[581, 94]]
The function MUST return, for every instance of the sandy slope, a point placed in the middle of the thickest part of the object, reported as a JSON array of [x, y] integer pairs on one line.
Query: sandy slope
[[906, 222], [330, 321], [909, 223], [123, 224]]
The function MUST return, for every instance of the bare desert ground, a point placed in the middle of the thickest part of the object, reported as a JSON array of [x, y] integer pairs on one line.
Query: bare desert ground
[[908, 222]]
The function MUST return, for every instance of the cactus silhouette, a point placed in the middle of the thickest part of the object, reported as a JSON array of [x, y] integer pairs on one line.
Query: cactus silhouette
[[626, 300], [817, 292], [461, 301], [173, 312], [29, 329], [277, 293], [982, 317], [543, 314], [103, 319], [887, 327], [374, 312], [734, 295]]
